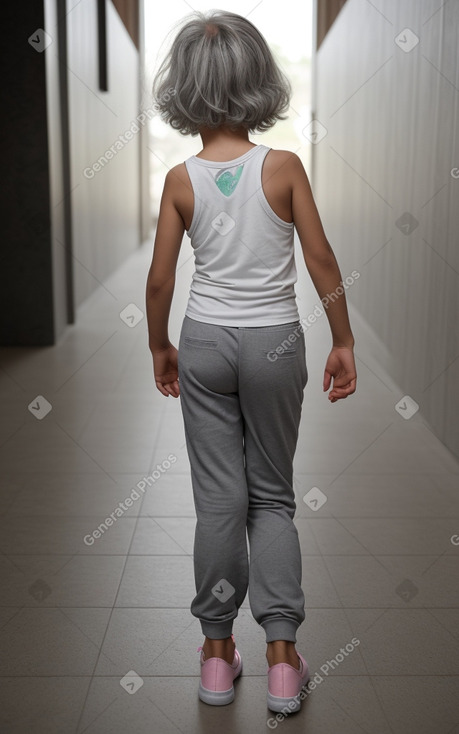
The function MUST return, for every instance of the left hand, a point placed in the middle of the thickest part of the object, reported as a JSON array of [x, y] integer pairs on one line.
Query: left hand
[[166, 371]]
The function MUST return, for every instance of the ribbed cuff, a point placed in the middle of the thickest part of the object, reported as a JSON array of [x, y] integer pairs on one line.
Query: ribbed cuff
[[280, 628]]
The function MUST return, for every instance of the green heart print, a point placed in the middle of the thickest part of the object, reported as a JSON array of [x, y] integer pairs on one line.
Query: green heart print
[[227, 182]]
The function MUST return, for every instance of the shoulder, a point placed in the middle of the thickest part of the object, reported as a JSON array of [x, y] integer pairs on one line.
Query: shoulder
[[178, 174], [281, 155], [177, 185], [283, 160]]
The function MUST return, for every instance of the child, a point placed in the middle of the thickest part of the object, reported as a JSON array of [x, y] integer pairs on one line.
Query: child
[[240, 369]]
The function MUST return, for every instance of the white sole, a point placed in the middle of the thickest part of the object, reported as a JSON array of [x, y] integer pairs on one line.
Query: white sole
[[216, 698], [278, 704]]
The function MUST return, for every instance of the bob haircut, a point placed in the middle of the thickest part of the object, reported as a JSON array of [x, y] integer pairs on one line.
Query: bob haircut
[[220, 71]]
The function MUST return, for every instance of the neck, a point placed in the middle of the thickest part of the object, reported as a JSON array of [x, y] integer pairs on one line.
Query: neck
[[223, 140]]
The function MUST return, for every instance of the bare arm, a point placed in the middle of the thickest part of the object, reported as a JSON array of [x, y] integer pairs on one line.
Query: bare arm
[[325, 274], [160, 288], [318, 255]]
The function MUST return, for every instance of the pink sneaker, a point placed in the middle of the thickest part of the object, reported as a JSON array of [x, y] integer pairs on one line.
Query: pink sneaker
[[217, 676], [284, 685]]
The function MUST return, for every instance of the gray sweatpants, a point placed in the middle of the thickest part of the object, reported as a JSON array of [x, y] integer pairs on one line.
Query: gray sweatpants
[[241, 393]]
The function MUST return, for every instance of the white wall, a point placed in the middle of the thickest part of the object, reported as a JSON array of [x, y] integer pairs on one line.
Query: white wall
[[105, 209], [392, 121]]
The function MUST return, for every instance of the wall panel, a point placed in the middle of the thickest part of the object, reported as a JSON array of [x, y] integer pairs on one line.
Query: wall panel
[[105, 203], [384, 189]]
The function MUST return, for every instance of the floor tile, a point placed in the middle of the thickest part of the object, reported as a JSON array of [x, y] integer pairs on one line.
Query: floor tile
[[158, 581], [61, 580], [405, 642], [70, 535], [53, 703], [54, 641]]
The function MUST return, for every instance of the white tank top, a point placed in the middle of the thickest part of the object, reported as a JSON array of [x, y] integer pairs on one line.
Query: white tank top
[[244, 253]]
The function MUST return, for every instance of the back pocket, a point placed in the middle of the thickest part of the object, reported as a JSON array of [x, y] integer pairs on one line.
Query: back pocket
[[284, 354], [193, 341]]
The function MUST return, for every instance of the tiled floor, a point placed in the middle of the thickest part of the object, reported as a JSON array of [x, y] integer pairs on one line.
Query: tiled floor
[[379, 564]]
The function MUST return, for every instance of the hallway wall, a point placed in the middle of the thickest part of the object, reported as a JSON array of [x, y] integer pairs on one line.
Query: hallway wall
[[105, 196], [26, 270], [386, 183], [64, 232]]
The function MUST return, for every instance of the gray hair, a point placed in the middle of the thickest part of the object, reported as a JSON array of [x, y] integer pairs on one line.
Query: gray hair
[[220, 71]]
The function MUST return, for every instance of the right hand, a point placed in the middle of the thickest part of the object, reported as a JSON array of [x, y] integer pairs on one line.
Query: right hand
[[165, 367], [341, 366]]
